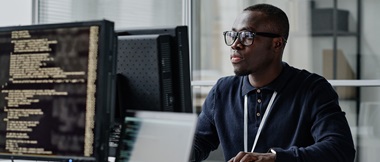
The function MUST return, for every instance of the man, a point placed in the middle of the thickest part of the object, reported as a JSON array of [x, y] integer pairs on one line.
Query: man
[[270, 111]]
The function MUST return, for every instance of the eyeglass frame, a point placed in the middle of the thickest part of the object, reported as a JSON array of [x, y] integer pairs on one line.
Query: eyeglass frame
[[264, 34]]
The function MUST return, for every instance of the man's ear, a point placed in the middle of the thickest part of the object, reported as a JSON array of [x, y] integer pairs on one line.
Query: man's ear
[[278, 43]]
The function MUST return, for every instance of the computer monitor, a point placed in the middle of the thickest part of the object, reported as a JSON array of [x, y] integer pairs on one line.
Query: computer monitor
[[369, 131], [57, 83], [165, 136], [145, 63], [179, 60]]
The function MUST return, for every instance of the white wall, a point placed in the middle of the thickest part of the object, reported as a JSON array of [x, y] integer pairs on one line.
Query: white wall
[[15, 12], [370, 133], [370, 40]]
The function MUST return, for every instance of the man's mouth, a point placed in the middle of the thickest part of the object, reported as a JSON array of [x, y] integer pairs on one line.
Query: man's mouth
[[236, 58]]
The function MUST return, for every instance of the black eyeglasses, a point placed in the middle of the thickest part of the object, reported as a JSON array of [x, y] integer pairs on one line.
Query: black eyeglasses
[[245, 37]]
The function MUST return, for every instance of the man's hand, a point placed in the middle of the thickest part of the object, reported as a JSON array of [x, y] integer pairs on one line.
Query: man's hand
[[253, 157]]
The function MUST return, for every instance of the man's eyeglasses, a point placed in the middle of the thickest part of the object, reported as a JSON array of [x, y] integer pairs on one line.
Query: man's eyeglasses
[[245, 37]]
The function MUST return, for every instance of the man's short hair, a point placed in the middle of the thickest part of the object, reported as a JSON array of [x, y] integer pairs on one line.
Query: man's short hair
[[277, 18]]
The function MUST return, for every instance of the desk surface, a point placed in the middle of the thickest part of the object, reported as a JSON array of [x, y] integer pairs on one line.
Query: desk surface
[[110, 159]]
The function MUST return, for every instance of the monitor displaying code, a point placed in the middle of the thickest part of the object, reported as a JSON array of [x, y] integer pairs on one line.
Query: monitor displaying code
[[48, 81]]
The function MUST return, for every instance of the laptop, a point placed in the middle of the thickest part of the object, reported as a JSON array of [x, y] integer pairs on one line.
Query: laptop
[[151, 136]]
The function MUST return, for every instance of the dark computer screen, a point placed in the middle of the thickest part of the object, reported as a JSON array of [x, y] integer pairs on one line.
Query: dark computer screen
[[179, 60], [57, 83]]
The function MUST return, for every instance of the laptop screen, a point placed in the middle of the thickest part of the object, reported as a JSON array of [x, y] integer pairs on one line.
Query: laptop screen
[[148, 136]]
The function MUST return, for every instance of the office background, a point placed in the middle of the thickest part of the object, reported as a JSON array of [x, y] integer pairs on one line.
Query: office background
[[334, 38]]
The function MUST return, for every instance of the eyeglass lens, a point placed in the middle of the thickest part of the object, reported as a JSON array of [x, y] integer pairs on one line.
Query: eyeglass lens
[[245, 37]]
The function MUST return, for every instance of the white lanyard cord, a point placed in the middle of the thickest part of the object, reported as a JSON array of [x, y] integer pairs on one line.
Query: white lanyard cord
[[269, 107], [245, 123]]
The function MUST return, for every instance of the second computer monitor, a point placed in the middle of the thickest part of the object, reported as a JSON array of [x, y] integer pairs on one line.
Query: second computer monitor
[[178, 97]]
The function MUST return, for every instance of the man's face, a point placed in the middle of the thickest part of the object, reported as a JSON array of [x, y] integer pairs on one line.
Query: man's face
[[255, 58]]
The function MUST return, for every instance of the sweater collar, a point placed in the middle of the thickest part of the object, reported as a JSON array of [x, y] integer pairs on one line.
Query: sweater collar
[[276, 85]]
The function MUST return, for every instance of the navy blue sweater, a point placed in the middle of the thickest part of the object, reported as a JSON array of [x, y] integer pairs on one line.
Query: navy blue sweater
[[306, 123]]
